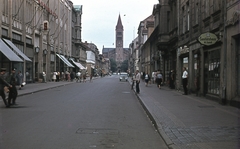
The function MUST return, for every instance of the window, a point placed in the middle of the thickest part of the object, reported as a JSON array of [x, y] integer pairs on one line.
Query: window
[[119, 38], [4, 32], [17, 36], [168, 21], [28, 40], [184, 19], [196, 13]]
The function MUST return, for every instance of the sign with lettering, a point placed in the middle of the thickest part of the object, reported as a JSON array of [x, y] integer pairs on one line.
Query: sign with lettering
[[208, 39]]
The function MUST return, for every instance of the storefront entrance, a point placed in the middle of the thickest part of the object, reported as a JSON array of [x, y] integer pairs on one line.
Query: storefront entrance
[[212, 72]]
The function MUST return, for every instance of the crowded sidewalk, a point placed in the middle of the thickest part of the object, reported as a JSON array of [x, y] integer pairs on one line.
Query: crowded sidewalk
[[188, 121]]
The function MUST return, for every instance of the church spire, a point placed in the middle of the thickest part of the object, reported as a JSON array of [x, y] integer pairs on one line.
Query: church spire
[[119, 23]]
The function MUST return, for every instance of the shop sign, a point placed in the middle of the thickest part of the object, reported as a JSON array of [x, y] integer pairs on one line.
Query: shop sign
[[208, 39]]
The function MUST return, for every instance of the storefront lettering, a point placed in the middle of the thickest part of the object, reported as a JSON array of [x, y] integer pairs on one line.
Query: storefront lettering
[[207, 39]]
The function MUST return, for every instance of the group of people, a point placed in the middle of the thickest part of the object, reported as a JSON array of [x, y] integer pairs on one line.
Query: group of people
[[67, 76], [157, 78], [9, 84]]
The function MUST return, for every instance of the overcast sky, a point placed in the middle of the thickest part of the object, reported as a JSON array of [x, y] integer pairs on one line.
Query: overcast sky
[[99, 19]]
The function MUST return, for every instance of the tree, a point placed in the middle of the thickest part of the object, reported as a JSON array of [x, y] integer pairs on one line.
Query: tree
[[124, 66], [113, 65]]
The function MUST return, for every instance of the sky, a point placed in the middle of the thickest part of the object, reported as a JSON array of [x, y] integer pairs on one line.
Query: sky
[[99, 20]]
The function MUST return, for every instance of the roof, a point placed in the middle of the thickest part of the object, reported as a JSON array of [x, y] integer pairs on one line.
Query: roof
[[119, 23], [105, 50]]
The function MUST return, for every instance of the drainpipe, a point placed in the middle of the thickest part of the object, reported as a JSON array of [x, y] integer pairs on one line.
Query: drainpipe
[[224, 100]]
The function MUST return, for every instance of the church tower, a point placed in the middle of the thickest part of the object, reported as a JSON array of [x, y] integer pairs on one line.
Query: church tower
[[119, 41]]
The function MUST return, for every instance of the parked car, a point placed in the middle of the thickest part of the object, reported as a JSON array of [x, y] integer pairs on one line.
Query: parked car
[[123, 77]]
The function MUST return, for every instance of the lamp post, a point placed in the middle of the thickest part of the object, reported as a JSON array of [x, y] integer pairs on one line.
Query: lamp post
[[36, 69]]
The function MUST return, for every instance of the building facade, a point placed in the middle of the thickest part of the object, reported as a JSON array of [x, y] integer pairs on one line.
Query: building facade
[[119, 54], [201, 35], [47, 35], [145, 29]]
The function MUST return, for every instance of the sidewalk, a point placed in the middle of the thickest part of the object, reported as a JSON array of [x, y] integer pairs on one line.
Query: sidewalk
[[37, 87], [190, 122]]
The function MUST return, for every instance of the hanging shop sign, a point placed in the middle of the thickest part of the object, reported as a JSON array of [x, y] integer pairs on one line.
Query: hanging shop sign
[[208, 39]]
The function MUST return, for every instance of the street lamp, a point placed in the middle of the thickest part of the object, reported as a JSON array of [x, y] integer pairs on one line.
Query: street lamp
[[45, 51], [37, 49]]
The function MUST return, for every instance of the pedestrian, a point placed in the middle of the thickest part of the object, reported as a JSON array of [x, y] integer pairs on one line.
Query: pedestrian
[[137, 80], [185, 80], [153, 77], [72, 76], [172, 80], [78, 76], [63, 76], [147, 78], [19, 79], [58, 76], [84, 77], [3, 85], [143, 75], [90, 78], [44, 77], [159, 78], [13, 90], [66, 75], [133, 80], [54, 76]]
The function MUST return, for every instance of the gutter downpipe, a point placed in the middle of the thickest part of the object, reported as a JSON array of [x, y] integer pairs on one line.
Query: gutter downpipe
[[224, 100]]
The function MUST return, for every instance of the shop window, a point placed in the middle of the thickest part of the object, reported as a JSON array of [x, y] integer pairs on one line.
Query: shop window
[[213, 80]]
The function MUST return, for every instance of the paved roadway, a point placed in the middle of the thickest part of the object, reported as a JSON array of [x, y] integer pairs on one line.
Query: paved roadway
[[184, 122], [68, 115]]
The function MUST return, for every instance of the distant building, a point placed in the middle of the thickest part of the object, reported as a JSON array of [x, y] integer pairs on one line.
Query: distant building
[[119, 54]]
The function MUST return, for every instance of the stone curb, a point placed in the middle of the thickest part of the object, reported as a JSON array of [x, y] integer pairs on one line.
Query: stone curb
[[157, 126]]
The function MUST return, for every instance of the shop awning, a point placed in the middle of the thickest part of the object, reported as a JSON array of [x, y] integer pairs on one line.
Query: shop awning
[[65, 60], [19, 52], [8, 52], [79, 65]]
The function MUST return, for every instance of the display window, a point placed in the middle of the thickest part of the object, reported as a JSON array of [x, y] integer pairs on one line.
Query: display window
[[212, 72]]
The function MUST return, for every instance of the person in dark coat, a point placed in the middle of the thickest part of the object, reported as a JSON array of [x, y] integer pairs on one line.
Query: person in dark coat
[[13, 90], [3, 83]]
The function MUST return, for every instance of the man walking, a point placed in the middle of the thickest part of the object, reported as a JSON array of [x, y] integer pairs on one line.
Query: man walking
[[137, 80], [13, 90], [185, 80], [3, 83]]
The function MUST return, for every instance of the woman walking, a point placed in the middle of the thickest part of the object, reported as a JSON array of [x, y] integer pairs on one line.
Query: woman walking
[[159, 79]]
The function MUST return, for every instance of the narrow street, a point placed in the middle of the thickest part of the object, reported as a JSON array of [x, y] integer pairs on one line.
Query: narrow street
[[102, 114]]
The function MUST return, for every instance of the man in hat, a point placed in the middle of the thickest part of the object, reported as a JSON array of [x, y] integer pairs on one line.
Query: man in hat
[[3, 83], [13, 90]]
